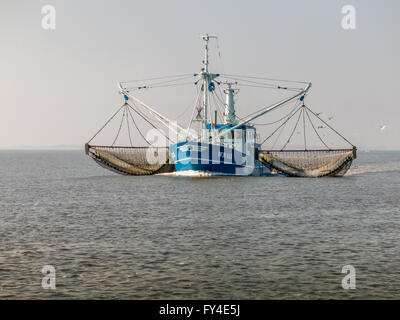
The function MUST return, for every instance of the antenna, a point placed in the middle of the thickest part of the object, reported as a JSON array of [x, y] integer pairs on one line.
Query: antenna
[[206, 38]]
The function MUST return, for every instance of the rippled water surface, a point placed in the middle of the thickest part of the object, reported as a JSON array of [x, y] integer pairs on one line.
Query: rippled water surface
[[163, 237]]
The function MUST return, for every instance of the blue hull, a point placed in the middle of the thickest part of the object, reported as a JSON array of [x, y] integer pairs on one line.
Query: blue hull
[[210, 158]]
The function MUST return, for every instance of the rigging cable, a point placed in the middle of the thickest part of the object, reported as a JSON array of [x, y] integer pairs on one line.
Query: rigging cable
[[278, 136], [330, 127], [283, 127], [196, 104], [120, 126], [243, 119], [294, 129], [276, 121], [261, 78], [265, 87], [127, 123], [188, 107], [144, 118], [304, 130], [262, 85], [107, 122], [159, 78], [316, 132], [282, 124], [238, 118], [158, 86], [217, 105], [134, 122]]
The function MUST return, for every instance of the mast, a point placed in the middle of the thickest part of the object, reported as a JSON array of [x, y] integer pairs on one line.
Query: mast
[[205, 75]]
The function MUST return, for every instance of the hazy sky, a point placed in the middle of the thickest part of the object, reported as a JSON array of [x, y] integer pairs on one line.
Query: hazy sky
[[58, 87]]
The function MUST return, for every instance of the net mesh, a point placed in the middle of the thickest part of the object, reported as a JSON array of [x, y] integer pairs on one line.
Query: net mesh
[[308, 163], [295, 163], [132, 160]]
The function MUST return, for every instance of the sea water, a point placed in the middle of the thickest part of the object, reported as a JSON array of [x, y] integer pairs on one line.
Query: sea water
[[171, 237]]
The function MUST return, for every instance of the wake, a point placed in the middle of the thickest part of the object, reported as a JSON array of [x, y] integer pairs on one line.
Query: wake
[[392, 166]]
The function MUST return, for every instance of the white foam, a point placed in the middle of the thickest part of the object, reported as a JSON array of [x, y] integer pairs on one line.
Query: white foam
[[374, 168], [188, 173]]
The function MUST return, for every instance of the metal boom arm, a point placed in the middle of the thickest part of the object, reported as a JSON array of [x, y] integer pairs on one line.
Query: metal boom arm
[[264, 111], [165, 121]]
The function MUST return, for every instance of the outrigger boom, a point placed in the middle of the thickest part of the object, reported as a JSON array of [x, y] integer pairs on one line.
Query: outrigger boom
[[171, 125], [270, 108]]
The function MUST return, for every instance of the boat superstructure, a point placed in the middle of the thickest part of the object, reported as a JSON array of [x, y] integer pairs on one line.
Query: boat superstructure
[[230, 146]]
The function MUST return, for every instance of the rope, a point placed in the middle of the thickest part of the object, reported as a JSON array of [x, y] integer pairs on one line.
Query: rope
[[196, 103], [158, 86], [127, 123], [261, 78], [219, 98], [107, 122], [144, 118], [120, 126], [159, 78], [224, 104], [264, 109], [267, 85], [294, 129], [316, 132], [269, 123], [304, 131], [278, 136], [254, 86], [134, 122], [263, 85], [330, 127], [188, 107], [280, 126], [217, 106]]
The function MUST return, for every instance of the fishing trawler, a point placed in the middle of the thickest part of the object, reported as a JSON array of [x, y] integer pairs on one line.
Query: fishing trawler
[[231, 146]]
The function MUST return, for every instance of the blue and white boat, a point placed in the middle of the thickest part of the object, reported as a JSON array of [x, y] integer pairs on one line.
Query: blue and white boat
[[208, 147]]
